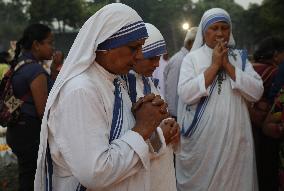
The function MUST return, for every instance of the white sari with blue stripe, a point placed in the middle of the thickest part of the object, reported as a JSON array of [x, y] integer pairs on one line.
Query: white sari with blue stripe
[[112, 165], [162, 170], [217, 153], [78, 115]]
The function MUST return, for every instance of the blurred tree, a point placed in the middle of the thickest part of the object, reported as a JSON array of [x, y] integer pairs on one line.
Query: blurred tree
[[64, 12], [90, 8], [166, 15], [272, 14], [249, 26], [261, 21], [13, 21], [40, 11]]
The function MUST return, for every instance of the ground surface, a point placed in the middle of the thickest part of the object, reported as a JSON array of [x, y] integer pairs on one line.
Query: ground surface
[[8, 177]]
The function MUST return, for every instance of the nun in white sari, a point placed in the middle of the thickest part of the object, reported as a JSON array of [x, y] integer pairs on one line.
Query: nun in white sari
[[216, 80], [86, 137], [139, 83]]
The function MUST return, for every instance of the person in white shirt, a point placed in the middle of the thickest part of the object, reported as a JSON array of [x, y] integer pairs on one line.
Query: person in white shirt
[[172, 69], [158, 74], [139, 83], [216, 80], [89, 137]]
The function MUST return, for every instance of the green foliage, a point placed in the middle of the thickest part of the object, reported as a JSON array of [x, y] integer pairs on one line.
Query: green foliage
[[40, 11], [12, 20], [64, 12], [91, 8], [249, 26], [272, 14], [260, 21], [167, 15]]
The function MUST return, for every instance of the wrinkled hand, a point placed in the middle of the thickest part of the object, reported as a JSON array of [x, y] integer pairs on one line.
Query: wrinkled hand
[[149, 111], [156, 100], [136, 106], [171, 130], [220, 54]]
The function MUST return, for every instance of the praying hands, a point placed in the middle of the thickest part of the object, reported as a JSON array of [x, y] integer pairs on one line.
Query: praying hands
[[149, 112]]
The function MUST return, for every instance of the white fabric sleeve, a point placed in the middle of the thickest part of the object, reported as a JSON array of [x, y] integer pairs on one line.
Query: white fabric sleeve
[[191, 87], [156, 152], [248, 82], [81, 132]]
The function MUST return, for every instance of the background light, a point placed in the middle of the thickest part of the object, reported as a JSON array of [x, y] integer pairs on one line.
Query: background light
[[185, 26]]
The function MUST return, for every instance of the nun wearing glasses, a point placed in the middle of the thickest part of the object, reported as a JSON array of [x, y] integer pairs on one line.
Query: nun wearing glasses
[[89, 137], [216, 80]]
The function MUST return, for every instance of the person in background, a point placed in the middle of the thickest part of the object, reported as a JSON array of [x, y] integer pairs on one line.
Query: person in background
[[12, 48], [33, 82], [90, 139], [266, 146], [172, 70], [268, 57], [4, 66], [273, 127], [216, 81], [158, 74], [278, 82], [139, 83]]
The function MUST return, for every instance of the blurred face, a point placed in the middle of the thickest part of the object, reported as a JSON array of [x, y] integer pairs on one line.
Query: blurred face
[[44, 48], [278, 57], [146, 67], [120, 60], [219, 31]]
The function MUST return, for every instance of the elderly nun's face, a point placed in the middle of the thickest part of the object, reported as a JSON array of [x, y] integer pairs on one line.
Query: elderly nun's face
[[120, 60], [219, 31]]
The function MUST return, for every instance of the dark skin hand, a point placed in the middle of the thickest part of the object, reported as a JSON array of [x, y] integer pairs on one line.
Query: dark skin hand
[[219, 60], [217, 63], [149, 111], [171, 131], [154, 99]]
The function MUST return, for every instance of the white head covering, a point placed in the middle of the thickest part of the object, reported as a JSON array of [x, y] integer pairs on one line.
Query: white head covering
[[155, 44], [117, 24], [190, 35], [210, 17]]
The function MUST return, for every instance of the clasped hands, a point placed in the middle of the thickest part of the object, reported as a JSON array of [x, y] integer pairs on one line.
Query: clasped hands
[[150, 112], [220, 55]]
